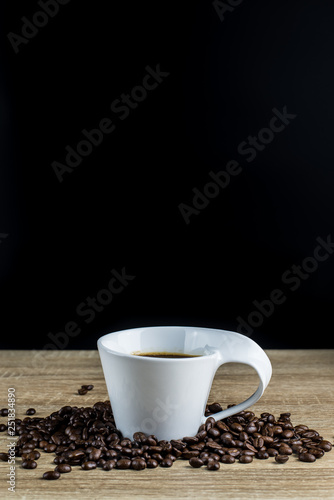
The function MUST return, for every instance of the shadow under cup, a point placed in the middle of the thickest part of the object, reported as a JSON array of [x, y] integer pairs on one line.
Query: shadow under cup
[[167, 396]]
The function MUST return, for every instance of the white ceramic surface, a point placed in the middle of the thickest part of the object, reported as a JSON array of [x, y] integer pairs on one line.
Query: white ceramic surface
[[165, 396]]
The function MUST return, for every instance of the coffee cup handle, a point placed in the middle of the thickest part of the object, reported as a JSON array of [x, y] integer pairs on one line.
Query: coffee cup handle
[[240, 349]]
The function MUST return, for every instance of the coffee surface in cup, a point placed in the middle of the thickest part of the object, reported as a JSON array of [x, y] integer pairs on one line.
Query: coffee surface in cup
[[166, 355]]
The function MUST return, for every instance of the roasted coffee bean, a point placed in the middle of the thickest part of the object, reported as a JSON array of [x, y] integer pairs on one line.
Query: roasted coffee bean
[[201, 445], [138, 464], [166, 462], [257, 434], [287, 434], [196, 462], [226, 436], [125, 443], [166, 446], [258, 442], [213, 465], [219, 451], [4, 457], [236, 427], [243, 436], [307, 457], [222, 426], [139, 436], [281, 459], [295, 442], [87, 387], [272, 452], [109, 464], [29, 464], [178, 444], [136, 452], [325, 445], [268, 440], [75, 454], [88, 465], [227, 459], [4, 412], [214, 433], [190, 454], [50, 447], [248, 452], [51, 475], [311, 444], [248, 446], [277, 430], [191, 440], [176, 453], [201, 435], [3, 427], [28, 446], [251, 428], [262, 455], [31, 411], [285, 449], [123, 463], [150, 441], [245, 459], [210, 422], [317, 452], [310, 434], [155, 449], [211, 445], [32, 455], [151, 464], [82, 392], [95, 454], [214, 407], [63, 468], [234, 452]]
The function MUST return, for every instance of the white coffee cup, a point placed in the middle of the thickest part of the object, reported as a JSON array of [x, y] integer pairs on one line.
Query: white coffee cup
[[167, 396]]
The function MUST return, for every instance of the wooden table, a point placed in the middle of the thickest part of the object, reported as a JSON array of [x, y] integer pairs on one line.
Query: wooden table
[[302, 383]]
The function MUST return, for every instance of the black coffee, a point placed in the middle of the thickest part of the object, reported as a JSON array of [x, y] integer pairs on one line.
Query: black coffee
[[167, 355]]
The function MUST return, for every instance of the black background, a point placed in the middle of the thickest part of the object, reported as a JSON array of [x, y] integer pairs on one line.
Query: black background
[[120, 207]]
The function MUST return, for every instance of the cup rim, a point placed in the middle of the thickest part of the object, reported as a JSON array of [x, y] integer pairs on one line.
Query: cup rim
[[152, 360]]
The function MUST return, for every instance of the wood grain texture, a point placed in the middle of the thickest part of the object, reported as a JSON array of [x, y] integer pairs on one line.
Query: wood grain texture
[[302, 383]]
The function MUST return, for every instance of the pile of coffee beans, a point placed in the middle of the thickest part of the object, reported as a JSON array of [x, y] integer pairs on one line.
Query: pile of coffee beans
[[87, 437]]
